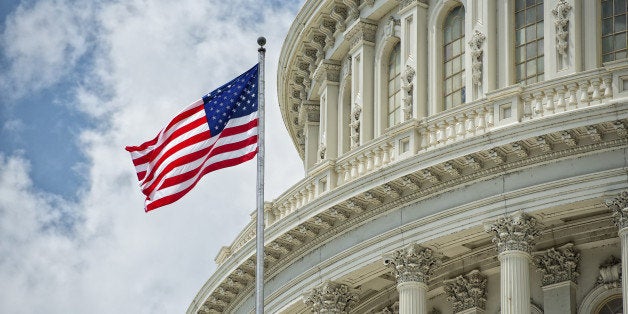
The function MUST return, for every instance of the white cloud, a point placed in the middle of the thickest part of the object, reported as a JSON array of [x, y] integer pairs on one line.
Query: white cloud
[[44, 42], [150, 59]]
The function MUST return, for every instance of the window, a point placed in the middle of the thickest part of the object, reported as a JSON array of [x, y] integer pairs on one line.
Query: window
[[613, 30], [612, 305], [529, 55], [394, 86], [453, 58]]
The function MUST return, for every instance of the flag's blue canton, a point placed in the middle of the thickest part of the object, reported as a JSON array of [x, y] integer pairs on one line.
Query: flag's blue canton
[[233, 100]]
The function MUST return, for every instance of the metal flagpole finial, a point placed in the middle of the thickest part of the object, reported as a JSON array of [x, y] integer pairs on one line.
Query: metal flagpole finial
[[261, 41]]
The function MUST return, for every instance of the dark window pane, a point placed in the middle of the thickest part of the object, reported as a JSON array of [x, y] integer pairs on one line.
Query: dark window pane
[[531, 32], [539, 30], [539, 49], [530, 2], [607, 26], [620, 23], [620, 55], [520, 5], [608, 57], [620, 41], [620, 6], [607, 9], [540, 65], [607, 44], [530, 16], [520, 54], [531, 50], [520, 18], [539, 12]]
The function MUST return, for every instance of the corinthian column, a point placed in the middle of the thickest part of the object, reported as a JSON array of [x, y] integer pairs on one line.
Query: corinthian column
[[514, 236], [412, 267], [619, 206], [330, 297]]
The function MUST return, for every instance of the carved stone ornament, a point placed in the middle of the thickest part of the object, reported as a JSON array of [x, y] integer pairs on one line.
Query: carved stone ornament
[[476, 56], [391, 309], [407, 86], [610, 273], [356, 114], [467, 292], [619, 207], [558, 265], [561, 22], [514, 232], [331, 297], [362, 31], [413, 264], [322, 150], [391, 28]]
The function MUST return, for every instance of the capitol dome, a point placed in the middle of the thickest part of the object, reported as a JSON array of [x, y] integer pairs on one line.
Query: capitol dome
[[461, 156]]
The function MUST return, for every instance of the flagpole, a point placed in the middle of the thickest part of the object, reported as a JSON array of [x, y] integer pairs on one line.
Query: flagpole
[[259, 266]]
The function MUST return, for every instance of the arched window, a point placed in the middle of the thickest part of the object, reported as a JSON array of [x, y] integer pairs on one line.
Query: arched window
[[394, 86], [453, 58], [614, 30], [529, 55], [612, 305]]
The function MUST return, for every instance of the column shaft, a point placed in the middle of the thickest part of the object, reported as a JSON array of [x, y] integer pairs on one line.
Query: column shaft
[[623, 235], [515, 282], [412, 297]]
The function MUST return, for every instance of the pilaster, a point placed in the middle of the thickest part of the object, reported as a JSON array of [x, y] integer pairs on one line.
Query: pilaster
[[309, 116], [330, 297], [412, 267], [361, 35], [413, 18], [514, 235], [563, 44], [328, 74], [619, 207], [467, 293], [559, 269]]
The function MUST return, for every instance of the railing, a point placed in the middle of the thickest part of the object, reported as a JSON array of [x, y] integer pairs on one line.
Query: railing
[[479, 117]]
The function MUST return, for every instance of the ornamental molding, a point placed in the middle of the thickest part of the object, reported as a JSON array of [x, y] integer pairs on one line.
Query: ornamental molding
[[403, 4], [467, 292], [610, 273], [339, 14], [362, 31], [331, 297], [558, 264], [619, 207], [356, 119], [391, 29], [413, 263], [476, 56], [353, 10], [561, 22], [328, 28], [515, 232]]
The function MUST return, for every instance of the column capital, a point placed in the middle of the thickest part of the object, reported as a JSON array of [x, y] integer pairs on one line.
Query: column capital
[[515, 232], [413, 263], [619, 207], [558, 264], [309, 111], [330, 297], [328, 71], [467, 292], [362, 31]]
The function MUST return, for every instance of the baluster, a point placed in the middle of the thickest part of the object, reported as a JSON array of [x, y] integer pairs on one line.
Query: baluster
[[538, 105], [339, 175], [369, 161], [573, 90], [481, 119], [425, 137], [595, 83], [527, 106], [560, 104], [608, 87], [386, 158], [440, 132], [450, 134], [470, 122], [432, 135], [377, 158], [354, 168], [584, 93], [361, 164], [490, 117], [549, 96]]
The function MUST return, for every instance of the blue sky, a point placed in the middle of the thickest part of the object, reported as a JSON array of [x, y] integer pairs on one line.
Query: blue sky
[[79, 80]]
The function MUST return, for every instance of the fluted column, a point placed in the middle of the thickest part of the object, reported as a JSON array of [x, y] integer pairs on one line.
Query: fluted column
[[412, 267], [330, 297], [514, 236], [619, 207]]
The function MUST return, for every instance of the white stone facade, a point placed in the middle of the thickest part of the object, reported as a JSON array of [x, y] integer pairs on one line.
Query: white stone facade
[[510, 198]]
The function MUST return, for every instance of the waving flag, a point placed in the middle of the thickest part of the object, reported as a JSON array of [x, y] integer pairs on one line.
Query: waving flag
[[215, 132]]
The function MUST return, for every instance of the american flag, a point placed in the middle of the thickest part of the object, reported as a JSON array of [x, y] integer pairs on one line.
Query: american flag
[[215, 132]]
